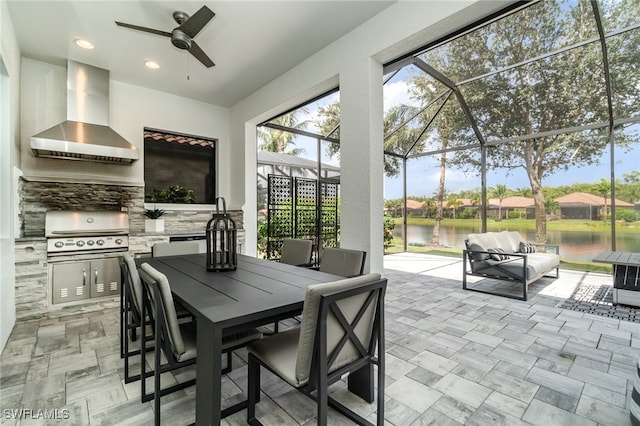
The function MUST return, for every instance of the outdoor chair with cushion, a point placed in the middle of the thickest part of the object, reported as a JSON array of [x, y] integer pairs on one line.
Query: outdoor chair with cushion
[[342, 332], [131, 314], [296, 252], [507, 256], [177, 248], [175, 340], [342, 262]]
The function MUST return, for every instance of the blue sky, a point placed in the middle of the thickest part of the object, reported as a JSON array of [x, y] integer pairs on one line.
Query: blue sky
[[424, 175]]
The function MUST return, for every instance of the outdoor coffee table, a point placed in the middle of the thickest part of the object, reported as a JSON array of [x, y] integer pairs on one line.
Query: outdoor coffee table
[[626, 275]]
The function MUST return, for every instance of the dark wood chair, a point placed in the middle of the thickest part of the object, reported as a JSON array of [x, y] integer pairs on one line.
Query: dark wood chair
[[342, 332]]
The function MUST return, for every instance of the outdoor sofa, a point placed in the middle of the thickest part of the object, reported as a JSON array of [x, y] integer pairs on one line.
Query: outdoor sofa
[[506, 255]]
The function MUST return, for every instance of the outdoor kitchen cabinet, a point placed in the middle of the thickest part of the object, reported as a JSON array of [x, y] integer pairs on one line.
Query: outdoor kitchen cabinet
[[80, 280]]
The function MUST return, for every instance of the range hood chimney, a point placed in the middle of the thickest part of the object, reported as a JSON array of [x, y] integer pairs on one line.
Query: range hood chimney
[[86, 134]]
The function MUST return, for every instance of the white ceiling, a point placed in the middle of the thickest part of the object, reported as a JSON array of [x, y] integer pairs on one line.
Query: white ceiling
[[251, 42]]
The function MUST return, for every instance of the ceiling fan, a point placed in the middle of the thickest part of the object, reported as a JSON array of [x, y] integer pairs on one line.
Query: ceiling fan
[[182, 36]]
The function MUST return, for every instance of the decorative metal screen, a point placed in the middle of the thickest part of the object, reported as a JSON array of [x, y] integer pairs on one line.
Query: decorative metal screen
[[279, 213], [329, 215], [306, 207], [292, 212]]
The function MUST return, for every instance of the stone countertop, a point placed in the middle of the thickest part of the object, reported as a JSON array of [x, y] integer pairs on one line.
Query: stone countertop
[[30, 239]]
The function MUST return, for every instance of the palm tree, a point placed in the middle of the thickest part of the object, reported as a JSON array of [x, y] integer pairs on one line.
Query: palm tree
[[427, 205], [476, 201], [276, 140], [551, 206], [500, 192], [454, 203], [524, 192], [603, 188]]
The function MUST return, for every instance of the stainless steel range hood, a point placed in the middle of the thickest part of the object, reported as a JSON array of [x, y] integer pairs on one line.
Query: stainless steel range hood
[[86, 134]]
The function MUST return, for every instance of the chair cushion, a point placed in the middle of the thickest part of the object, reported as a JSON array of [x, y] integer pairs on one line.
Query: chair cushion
[[538, 264], [310, 314], [189, 332], [171, 319], [134, 282], [515, 239], [343, 262], [279, 352], [296, 251], [477, 248], [178, 247], [485, 240]]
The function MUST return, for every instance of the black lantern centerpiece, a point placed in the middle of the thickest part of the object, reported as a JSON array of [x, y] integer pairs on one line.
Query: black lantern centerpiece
[[221, 240]]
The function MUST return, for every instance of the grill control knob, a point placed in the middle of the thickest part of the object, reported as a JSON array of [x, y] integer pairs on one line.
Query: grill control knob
[[80, 243], [119, 241], [59, 244], [90, 242], [100, 242]]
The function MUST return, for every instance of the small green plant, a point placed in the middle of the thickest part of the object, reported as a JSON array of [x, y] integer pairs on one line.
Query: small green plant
[[389, 224], [171, 194], [154, 213]]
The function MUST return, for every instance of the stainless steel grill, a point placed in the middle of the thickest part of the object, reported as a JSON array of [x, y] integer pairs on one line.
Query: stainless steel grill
[[86, 232], [83, 249]]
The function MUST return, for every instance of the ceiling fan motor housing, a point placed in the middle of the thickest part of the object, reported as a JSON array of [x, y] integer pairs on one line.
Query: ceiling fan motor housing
[[180, 39], [180, 17]]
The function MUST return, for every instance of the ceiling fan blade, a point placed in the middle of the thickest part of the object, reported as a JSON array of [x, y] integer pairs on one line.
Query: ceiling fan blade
[[197, 21], [200, 55], [146, 30]]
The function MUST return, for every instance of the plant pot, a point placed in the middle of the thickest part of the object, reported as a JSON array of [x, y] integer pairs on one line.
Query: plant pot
[[154, 225]]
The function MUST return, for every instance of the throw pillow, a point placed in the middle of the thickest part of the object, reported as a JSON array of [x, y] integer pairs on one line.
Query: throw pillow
[[526, 247], [497, 254], [475, 248]]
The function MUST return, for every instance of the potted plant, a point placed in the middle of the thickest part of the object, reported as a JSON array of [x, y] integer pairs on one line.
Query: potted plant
[[153, 223]]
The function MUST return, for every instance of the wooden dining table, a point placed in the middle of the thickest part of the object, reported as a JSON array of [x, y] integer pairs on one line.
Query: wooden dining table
[[257, 293]]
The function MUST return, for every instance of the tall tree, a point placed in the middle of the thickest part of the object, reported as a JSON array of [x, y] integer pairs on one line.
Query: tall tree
[[397, 142], [454, 203], [500, 192], [275, 140], [603, 188], [537, 97]]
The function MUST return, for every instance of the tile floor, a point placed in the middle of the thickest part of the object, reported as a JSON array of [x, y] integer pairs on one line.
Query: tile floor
[[453, 357]]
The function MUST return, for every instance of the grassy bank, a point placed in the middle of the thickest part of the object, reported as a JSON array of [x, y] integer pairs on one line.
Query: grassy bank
[[576, 225]]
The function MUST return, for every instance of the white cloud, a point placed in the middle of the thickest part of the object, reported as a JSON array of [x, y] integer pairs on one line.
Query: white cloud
[[397, 93]]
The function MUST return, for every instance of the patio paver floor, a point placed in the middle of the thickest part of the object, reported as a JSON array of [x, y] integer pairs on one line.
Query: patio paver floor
[[453, 357]]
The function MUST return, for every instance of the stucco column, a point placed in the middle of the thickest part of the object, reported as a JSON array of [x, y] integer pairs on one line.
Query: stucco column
[[361, 160]]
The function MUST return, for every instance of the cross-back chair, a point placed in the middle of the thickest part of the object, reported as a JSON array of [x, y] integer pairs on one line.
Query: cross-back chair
[[342, 332]]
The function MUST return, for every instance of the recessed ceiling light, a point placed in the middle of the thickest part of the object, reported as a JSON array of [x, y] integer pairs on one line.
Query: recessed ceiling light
[[151, 64], [85, 44]]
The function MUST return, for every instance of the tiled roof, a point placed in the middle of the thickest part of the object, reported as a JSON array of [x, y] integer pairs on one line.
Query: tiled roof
[[414, 204], [589, 199], [178, 139], [514, 202]]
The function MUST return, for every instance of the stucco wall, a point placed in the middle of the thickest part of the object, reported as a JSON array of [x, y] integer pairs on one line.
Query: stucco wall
[[9, 112], [132, 108]]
